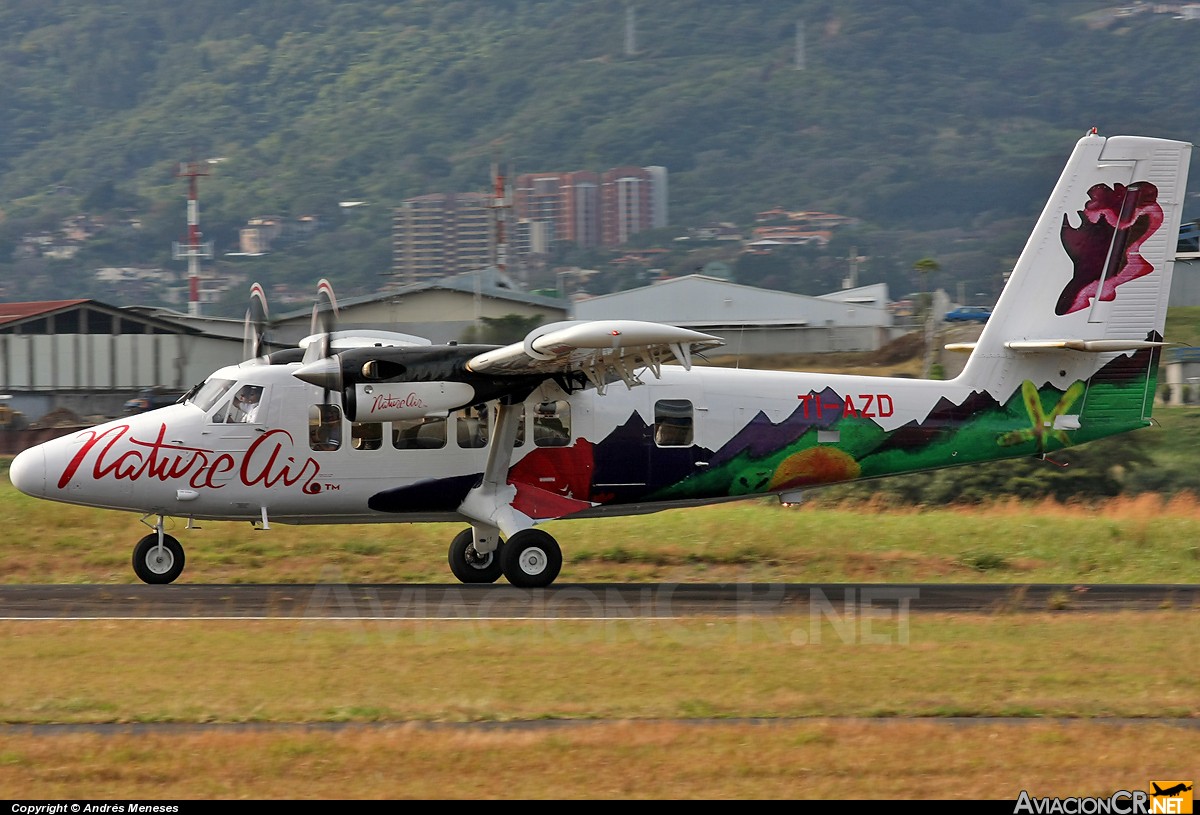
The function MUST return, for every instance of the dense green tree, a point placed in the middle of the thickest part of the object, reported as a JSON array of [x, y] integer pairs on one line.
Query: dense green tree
[[917, 118]]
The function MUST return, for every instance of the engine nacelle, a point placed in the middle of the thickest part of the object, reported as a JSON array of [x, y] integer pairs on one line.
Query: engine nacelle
[[392, 401]]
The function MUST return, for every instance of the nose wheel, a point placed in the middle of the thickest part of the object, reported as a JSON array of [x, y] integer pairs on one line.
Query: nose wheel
[[154, 564]]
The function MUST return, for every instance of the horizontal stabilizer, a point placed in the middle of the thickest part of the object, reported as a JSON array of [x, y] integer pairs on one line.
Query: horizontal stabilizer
[[1089, 346]]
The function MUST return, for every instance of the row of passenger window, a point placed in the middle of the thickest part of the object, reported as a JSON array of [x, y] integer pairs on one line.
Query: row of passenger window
[[470, 427]]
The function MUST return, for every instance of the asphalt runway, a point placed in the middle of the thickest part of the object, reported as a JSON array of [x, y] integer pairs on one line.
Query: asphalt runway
[[593, 601], [570, 601]]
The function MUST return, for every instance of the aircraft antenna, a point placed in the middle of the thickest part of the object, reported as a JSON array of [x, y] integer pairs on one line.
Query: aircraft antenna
[[193, 250]]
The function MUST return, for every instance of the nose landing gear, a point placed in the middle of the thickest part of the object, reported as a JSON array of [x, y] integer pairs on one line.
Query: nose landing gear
[[158, 557]]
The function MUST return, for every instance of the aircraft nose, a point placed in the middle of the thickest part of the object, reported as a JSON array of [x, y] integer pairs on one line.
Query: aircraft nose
[[27, 472]]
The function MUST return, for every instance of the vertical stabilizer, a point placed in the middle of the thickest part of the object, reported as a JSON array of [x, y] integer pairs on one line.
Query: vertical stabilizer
[[1087, 300]]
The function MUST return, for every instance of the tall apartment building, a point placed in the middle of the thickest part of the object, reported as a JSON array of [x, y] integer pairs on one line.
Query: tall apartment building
[[592, 209], [441, 234], [568, 202], [627, 203]]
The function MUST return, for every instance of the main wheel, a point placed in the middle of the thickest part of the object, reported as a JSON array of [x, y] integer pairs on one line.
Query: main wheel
[[531, 559], [470, 566], [154, 566]]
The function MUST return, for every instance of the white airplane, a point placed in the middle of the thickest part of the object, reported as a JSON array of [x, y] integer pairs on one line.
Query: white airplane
[[584, 419]]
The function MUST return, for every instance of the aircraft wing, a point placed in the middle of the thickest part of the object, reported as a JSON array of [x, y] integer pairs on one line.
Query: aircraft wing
[[596, 348]]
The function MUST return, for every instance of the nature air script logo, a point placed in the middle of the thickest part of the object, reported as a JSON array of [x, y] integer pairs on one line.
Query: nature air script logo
[[1166, 797], [114, 453], [386, 401], [1114, 224]]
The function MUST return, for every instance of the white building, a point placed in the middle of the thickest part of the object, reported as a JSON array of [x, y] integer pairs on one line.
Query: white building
[[89, 357], [755, 321]]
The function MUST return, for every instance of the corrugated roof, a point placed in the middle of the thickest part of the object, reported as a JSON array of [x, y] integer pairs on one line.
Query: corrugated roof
[[489, 286], [12, 312]]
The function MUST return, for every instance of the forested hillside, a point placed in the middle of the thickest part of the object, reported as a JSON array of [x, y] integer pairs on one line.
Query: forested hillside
[[942, 126]]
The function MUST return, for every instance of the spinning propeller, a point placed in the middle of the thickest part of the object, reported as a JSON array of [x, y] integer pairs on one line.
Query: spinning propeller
[[257, 320], [324, 319], [319, 343]]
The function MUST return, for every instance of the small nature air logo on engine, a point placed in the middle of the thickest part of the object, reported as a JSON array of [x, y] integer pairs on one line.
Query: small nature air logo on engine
[[388, 401]]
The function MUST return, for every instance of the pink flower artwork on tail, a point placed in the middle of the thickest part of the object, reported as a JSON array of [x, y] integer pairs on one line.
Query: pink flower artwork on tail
[[1114, 224]]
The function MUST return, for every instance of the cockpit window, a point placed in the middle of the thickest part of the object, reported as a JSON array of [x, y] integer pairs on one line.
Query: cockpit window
[[245, 405], [210, 392]]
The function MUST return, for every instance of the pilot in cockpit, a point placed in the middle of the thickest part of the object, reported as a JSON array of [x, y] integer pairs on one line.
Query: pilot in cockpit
[[245, 404]]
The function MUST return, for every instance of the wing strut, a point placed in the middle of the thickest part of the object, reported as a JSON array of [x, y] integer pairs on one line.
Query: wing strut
[[489, 504]]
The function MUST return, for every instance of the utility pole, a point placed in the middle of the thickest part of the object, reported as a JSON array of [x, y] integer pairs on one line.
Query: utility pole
[[630, 31], [925, 267]]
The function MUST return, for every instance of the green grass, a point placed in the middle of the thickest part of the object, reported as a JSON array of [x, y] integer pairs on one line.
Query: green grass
[[1134, 539], [836, 702], [840, 692], [1141, 539], [825, 663], [1183, 326]]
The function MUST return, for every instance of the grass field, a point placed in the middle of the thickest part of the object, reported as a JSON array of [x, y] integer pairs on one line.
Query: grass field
[[1138, 539], [1183, 325], [836, 710]]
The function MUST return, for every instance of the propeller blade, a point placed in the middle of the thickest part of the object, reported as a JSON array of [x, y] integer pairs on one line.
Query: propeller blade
[[256, 323], [325, 311], [325, 315]]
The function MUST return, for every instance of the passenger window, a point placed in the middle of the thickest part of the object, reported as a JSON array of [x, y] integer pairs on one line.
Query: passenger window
[[366, 435], [495, 414], [672, 422], [325, 427], [552, 424], [471, 426], [427, 433]]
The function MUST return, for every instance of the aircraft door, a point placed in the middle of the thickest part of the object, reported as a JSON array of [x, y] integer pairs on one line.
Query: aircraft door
[[237, 421], [677, 417], [623, 468]]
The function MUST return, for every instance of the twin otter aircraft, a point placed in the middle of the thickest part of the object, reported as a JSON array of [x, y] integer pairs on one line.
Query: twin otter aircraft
[[584, 419]]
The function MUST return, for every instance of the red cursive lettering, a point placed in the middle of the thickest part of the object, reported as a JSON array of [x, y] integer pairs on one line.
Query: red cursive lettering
[[386, 401], [114, 453]]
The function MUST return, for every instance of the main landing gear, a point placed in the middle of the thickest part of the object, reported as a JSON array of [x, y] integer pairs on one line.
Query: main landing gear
[[529, 559]]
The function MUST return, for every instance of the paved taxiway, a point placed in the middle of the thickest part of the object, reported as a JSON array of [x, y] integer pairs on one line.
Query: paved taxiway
[[568, 601]]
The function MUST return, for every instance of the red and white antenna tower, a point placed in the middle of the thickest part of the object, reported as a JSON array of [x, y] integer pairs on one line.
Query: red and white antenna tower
[[500, 206], [193, 250]]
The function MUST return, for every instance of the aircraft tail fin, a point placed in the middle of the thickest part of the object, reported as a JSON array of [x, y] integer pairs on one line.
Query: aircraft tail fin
[[1087, 300]]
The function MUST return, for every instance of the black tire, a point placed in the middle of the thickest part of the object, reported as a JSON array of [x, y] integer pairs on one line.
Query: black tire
[[531, 559], [155, 569], [476, 569]]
